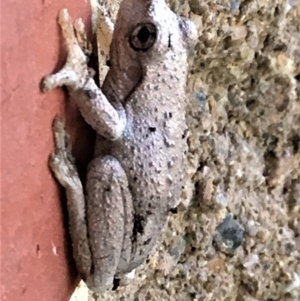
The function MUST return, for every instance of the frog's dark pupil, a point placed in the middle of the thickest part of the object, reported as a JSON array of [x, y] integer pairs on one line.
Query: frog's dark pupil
[[143, 34]]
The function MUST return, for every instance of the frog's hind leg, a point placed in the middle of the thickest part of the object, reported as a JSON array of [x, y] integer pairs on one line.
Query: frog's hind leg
[[110, 220], [63, 166]]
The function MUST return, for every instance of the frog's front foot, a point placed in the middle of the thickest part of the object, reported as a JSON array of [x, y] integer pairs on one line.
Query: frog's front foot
[[75, 72]]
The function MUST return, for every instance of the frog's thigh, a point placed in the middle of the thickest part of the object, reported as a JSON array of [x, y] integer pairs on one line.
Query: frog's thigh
[[110, 219]]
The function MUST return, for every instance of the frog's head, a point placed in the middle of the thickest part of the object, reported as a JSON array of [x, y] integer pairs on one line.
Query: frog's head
[[147, 33]]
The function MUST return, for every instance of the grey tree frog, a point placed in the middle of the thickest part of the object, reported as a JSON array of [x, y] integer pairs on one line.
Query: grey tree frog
[[137, 172]]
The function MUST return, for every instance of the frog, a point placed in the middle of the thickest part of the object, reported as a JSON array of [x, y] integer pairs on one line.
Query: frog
[[138, 168]]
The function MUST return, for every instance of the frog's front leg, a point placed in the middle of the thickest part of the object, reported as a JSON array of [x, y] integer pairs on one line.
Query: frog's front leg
[[76, 76], [101, 223]]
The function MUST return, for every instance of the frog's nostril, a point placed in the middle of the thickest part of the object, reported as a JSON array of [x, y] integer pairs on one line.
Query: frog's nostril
[[190, 33]]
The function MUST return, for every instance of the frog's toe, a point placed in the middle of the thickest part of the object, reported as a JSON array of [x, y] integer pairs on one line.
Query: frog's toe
[[61, 136], [63, 168], [62, 162], [75, 53], [65, 77], [82, 39]]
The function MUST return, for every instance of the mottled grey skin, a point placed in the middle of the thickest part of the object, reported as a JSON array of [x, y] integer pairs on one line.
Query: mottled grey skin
[[137, 173]]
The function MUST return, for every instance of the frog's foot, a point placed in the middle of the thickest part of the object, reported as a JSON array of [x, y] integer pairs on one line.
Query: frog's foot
[[75, 72], [63, 166], [61, 161]]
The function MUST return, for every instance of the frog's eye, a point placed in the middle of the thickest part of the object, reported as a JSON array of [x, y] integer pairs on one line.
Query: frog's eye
[[143, 36]]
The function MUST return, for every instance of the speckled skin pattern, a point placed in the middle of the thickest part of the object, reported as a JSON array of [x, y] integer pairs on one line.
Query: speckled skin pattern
[[137, 173]]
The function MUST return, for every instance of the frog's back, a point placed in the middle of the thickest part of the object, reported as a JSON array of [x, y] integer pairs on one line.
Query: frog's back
[[157, 143], [152, 151]]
